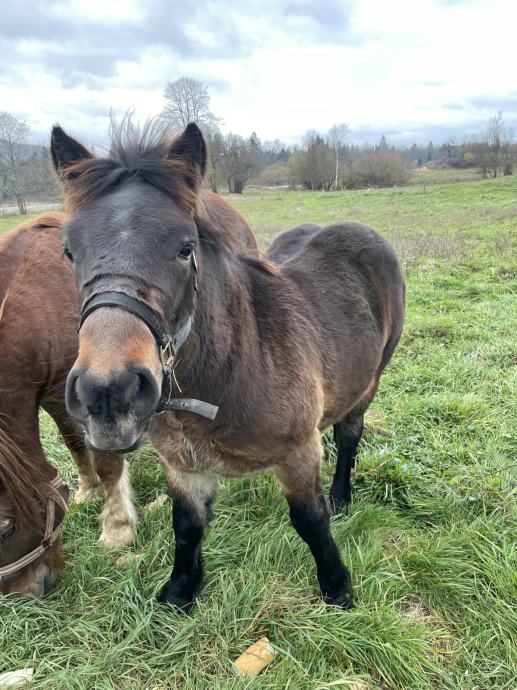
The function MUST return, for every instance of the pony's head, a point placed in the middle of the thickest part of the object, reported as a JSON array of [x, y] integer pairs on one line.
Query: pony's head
[[132, 232], [31, 511]]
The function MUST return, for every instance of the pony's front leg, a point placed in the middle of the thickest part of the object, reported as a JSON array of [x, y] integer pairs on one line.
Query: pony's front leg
[[88, 479], [118, 517], [73, 436], [192, 495], [300, 478]]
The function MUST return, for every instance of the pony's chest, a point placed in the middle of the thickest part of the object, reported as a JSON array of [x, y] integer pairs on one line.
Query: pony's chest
[[187, 454]]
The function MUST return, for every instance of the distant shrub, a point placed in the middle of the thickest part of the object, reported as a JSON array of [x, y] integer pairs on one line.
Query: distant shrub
[[382, 167], [461, 163], [274, 175]]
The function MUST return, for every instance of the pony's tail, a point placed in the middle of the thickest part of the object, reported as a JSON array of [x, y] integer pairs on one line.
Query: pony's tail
[[22, 479]]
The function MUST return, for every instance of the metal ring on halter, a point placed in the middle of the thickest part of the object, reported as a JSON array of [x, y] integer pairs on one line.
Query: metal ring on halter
[[50, 535]]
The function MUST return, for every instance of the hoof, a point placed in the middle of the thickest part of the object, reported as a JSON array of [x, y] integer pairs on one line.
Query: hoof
[[119, 537], [343, 601], [86, 493], [338, 505], [171, 595]]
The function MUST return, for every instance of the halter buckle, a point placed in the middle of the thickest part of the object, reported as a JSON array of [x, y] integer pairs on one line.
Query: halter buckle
[[167, 357]]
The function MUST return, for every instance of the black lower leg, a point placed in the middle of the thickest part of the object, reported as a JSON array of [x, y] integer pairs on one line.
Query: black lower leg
[[347, 436], [189, 524], [311, 521]]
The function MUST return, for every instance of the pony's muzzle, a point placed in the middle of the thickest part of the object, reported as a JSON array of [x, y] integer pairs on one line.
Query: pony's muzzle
[[113, 409], [36, 580]]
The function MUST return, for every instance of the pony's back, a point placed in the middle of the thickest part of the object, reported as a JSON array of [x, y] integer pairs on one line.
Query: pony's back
[[38, 306]]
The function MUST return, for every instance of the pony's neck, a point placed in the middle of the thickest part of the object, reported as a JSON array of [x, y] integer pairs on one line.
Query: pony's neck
[[223, 321]]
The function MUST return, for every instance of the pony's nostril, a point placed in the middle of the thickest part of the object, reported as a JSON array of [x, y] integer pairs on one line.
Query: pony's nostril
[[73, 403], [148, 393], [145, 386]]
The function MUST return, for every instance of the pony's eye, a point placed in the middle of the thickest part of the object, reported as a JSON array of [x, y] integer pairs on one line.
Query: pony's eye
[[7, 528], [68, 254], [187, 250]]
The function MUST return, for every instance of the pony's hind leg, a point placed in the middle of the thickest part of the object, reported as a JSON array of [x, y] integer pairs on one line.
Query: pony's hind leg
[[118, 517], [193, 496], [301, 484], [347, 435]]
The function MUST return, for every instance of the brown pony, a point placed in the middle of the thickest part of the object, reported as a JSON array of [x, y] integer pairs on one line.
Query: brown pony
[[275, 349], [38, 344]]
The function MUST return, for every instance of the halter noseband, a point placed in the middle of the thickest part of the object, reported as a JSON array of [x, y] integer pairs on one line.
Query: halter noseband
[[168, 346], [50, 535]]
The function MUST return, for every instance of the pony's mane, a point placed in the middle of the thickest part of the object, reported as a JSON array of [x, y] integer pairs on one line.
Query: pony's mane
[[25, 483], [260, 264], [136, 152]]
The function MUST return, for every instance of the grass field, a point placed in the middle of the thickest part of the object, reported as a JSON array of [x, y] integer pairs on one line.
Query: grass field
[[431, 533]]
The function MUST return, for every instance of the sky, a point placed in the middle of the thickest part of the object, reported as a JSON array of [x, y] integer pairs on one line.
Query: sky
[[413, 70]]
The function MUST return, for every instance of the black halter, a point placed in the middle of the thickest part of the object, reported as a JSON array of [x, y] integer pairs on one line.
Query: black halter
[[168, 347]]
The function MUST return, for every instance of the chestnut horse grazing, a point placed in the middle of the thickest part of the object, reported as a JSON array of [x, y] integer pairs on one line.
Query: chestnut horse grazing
[[38, 344], [247, 358]]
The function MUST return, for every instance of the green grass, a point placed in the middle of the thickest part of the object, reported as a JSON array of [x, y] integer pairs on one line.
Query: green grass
[[444, 176], [430, 536]]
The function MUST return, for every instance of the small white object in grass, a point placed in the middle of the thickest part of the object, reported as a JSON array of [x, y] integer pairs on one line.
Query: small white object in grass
[[127, 559], [255, 658], [13, 679], [158, 502]]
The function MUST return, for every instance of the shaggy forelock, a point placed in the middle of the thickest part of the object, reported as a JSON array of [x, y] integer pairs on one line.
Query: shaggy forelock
[[136, 152]]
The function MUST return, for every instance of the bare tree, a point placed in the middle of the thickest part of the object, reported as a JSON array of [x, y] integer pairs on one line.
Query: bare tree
[[314, 165], [494, 151], [214, 140], [499, 137], [507, 151], [187, 100], [237, 162], [13, 133], [494, 134], [337, 136], [481, 153]]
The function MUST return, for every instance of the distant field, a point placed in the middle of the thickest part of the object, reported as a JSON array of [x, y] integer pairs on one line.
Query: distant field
[[431, 533], [446, 176]]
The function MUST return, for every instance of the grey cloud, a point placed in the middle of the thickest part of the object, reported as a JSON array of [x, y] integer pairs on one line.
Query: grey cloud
[[78, 52], [331, 14], [454, 105], [86, 53], [493, 102], [420, 135]]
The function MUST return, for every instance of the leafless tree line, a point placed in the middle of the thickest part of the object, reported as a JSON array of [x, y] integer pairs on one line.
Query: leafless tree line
[[494, 152], [322, 161], [24, 170]]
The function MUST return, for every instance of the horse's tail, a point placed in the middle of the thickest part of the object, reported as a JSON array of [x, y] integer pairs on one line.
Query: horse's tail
[[22, 479]]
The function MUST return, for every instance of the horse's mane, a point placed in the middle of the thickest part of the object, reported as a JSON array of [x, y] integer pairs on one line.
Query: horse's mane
[[25, 483], [260, 264], [136, 152]]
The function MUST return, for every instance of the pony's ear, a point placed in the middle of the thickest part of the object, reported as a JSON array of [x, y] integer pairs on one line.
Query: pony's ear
[[190, 147], [65, 150]]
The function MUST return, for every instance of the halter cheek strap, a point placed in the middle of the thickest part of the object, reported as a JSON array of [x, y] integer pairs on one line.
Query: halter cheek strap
[[50, 535]]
